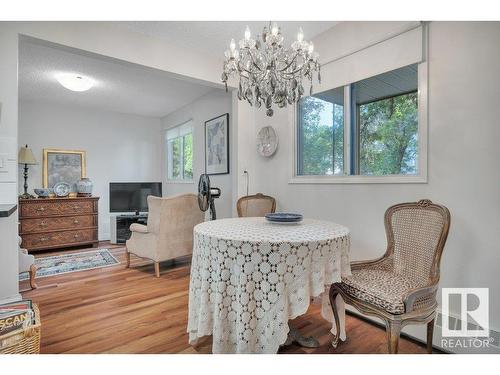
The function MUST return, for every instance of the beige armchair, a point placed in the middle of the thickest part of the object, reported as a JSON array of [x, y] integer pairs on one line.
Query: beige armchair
[[169, 233], [401, 286], [27, 264]]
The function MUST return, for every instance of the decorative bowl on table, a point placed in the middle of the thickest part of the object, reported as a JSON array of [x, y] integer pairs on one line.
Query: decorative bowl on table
[[62, 189], [43, 193], [284, 218]]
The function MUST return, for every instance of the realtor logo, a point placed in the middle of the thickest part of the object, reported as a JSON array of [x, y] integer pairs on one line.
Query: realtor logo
[[474, 308]]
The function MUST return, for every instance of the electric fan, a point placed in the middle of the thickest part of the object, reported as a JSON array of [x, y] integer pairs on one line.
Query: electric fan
[[206, 195]]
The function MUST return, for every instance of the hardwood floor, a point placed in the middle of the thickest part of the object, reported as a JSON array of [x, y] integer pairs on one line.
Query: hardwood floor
[[120, 310]]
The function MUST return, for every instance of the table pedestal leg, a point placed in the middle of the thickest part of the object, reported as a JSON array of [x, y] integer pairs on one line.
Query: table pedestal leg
[[294, 335], [340, 307]]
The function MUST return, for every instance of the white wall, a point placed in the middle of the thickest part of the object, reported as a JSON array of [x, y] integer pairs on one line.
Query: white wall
[[215, 103], [119, 147], [9, 284], [98, 37], [463, 157]]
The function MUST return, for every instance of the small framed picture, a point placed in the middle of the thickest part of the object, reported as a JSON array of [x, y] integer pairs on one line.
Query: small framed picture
[[217, 145], [63, 166]]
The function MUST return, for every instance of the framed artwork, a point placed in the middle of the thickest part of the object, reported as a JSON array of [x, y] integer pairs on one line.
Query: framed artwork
[[63, 166], [217, 145]]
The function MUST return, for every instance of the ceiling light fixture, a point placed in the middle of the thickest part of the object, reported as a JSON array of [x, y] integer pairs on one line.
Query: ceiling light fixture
[[268, 72], [74, 82]]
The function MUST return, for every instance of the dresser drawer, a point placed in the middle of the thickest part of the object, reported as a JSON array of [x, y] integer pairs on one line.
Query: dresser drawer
[[56, 239], [57, 208], [57, 223]]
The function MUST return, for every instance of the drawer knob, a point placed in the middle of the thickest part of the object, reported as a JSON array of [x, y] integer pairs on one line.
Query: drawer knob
[[43, 239], [76, 207], [75, 221], [43, 224], [76, 235], [41, 209]]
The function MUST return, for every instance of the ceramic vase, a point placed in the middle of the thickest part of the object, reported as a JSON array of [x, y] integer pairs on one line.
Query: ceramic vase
[[84, 187]]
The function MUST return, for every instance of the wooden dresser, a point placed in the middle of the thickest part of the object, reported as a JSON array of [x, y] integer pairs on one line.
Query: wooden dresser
[[50, 223]]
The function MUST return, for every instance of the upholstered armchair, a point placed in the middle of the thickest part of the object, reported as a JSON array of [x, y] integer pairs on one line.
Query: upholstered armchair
[[27, 264], [169, 233], [400, 287], [255, 205]]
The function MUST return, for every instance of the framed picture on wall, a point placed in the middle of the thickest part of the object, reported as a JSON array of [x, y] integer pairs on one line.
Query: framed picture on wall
[[217, 145], [63, 166]]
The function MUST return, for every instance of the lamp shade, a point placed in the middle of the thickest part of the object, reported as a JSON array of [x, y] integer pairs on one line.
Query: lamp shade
[[26, 156]]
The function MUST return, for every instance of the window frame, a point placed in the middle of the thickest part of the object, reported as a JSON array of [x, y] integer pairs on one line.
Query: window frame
[[348, 177], [181, 180]]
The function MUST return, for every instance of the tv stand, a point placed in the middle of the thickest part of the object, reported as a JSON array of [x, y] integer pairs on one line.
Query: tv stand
[[120, 226]]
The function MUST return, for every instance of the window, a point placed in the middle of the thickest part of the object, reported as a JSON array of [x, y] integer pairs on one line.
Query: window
[[180, 152], [321, 134], [380, 123]]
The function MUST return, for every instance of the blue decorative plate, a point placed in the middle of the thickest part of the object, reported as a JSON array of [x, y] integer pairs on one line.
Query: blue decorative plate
[[284, 217], [62, 189]]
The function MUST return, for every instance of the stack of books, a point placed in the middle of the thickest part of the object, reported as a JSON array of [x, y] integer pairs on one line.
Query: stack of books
[[16, 316]]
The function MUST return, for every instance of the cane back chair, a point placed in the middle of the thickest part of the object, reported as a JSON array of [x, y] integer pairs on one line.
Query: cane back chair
[[255, 205], [401, 286]]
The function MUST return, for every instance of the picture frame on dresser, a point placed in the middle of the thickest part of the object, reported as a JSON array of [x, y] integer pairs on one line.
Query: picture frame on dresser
[[63, 166]]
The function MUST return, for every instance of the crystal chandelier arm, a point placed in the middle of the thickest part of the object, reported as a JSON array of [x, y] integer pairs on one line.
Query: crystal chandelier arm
[[291, 75], [294, 72], [290, 63], [242, 70], [254, 63]]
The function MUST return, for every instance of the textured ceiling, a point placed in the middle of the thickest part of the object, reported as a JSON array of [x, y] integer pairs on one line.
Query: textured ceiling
[[128, 88], [212, 37], [119, 86]]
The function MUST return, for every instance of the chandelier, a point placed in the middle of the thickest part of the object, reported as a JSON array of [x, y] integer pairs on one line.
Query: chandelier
[[268, 72]]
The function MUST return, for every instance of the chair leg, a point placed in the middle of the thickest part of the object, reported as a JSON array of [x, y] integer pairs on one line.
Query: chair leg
[[32, 272], [393, 331], [128, 259], [334, 293], [430, 333], [157, 269]]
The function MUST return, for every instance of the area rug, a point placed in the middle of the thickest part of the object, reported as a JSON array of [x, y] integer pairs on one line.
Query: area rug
[[74, 262]]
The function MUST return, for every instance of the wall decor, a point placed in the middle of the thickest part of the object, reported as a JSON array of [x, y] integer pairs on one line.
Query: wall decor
[[217, 145], [63, 166], [267, 141], [43, 193], [62, 189], [84, 187]]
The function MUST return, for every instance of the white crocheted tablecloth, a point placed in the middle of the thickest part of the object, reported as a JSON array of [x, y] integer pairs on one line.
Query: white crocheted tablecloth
[[249, 277]]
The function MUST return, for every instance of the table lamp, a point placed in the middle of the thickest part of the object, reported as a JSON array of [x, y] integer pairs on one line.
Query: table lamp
[[26, 157]]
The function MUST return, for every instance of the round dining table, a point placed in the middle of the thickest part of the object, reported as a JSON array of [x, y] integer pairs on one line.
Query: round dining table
[[249, 277]]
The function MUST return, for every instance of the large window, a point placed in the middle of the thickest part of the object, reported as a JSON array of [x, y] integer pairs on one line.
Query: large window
[[375, 133], [180, 152]]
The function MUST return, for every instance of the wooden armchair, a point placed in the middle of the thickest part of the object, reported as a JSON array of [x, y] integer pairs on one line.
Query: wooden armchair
[[255, 205], [400, 287]]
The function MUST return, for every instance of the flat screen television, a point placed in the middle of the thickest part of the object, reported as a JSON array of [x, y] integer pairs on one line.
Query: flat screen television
[[132, 196]]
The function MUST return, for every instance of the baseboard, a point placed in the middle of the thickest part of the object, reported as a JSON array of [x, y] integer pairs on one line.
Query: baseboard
[[455, 322], [418, 333]]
